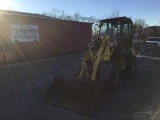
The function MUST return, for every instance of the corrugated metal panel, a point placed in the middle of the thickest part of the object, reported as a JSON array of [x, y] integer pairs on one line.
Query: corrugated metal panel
[[57, 37]]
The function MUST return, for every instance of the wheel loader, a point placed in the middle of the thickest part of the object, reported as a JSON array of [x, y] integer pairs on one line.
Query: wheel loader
[[106, 57]]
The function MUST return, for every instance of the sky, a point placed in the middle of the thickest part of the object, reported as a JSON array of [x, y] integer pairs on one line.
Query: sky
[[149, 10]]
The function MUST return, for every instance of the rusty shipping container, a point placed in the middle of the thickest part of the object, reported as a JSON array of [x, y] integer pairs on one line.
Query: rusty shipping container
[[55, 37]]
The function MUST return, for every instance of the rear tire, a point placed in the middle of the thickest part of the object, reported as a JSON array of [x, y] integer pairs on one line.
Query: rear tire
[[131, 67], [109, 75]]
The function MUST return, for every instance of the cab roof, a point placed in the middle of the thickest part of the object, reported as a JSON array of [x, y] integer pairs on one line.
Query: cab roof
[[118, 20]]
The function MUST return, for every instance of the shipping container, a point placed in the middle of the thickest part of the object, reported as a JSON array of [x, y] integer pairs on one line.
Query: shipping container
[[25, 37]]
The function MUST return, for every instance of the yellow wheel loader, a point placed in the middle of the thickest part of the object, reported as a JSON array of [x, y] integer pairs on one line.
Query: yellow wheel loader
[[100, 71]]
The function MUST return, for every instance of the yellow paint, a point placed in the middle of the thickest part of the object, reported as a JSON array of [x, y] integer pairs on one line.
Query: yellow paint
[[103, 54]]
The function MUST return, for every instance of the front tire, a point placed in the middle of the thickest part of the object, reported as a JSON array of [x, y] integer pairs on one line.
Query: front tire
[[109, 75]]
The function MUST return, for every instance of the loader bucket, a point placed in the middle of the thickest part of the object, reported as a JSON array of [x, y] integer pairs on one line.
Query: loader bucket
[[75, 94]]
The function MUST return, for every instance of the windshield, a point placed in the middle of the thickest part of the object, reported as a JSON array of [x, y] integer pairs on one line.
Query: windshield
[[153, 39], [108, 29]]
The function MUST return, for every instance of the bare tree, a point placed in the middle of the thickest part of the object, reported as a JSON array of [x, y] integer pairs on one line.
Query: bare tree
[[139, 25], [140, 22], [91, 19], [69, 17], [84, 19], [55, 13], [115, 13], [77, 16], [63, 15], [45, 13]]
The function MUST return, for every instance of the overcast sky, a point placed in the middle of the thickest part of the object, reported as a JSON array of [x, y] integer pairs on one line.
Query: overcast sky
[[145, 9]]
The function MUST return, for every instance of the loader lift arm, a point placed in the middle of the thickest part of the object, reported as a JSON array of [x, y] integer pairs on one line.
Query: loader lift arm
[[94, 57]]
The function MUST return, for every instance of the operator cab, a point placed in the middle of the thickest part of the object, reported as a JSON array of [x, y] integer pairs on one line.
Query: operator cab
[[119, 29]]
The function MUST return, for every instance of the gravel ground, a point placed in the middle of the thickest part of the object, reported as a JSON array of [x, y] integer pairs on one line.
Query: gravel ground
[[23, 85], [147, 49]]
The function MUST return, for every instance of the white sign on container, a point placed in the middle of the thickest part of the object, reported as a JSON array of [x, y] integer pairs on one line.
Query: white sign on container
[[24, 33]]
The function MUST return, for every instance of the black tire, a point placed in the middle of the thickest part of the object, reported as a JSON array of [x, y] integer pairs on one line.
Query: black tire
[[76, 71], [131, 67], [109, 75]]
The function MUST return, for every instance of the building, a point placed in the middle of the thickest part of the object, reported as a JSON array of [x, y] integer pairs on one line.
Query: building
[[151, 31], [27, 36]]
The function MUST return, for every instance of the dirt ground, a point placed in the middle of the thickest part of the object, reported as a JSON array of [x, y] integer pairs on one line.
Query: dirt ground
[[23, 85]]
